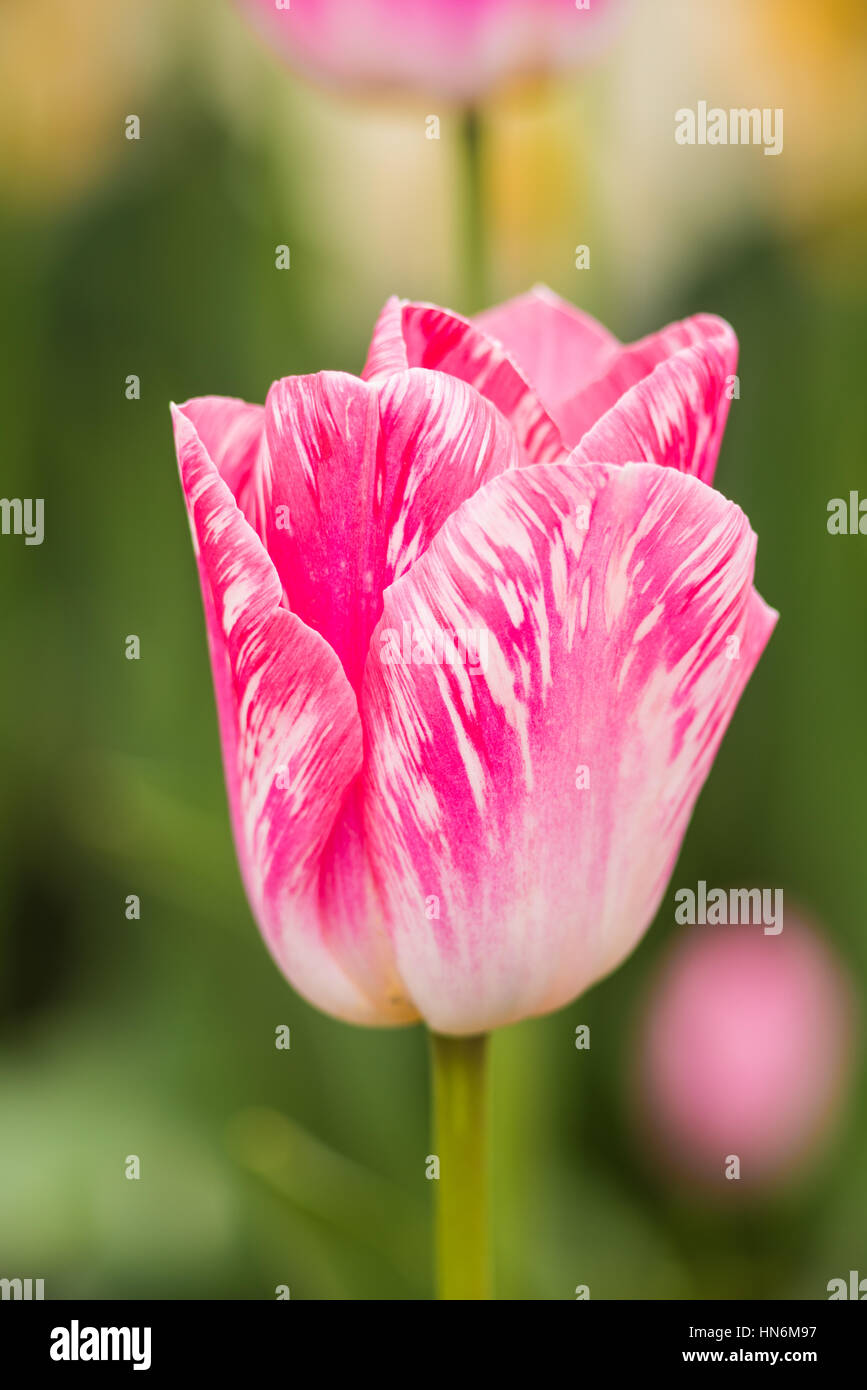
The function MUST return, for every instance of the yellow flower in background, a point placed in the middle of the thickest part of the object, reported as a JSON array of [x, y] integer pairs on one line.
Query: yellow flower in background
[[537, 184], [668, 209], [69, 74], [823, 49]]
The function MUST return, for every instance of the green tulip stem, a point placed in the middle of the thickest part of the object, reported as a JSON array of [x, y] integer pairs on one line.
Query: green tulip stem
[[460, 1144], [473, 212]]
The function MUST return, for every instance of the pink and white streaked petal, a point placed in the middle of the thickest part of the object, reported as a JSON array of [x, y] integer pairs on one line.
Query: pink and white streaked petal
[[608, 649], [291, 738], [388, 351], [674, 417], [664, 399], [558, 347], [423, 335], [356, 480], [231, 431]]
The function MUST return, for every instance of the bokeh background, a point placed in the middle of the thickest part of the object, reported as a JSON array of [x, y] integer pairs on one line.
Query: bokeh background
[[156, 258]]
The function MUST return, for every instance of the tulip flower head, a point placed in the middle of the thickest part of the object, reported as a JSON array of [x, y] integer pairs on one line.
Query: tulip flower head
[[456, 48], [744, 1049], [478, 621]]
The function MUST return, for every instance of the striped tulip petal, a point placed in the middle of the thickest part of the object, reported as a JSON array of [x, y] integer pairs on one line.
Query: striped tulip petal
[[291, 740], [423, 335], [356, 480], [231, 432], [559, 348], [664, 400], [537, 800]]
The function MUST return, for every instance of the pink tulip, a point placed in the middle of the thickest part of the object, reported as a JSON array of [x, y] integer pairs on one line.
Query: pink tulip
[[471, 841], [744, 1049], [458, 48]]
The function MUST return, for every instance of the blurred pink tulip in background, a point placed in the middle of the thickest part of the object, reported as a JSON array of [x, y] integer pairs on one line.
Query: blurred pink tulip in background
[[745, 1049], [456, 48]]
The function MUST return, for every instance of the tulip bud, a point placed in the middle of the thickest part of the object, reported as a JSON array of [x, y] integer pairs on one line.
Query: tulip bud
[[457, 48], [744, 1051]]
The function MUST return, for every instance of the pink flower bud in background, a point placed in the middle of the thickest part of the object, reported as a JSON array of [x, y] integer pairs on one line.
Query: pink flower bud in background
[[745, 1050], [456, 48]]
